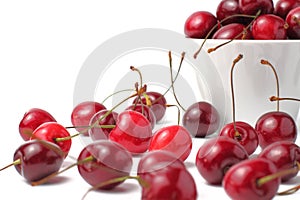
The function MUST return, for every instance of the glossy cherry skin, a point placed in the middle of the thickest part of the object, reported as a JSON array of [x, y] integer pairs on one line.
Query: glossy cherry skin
[[133, 130], [227, 8], [216, 156], [158, 103], [172, 182], [247, 136], [275, 126], [50, 131], [31, 120], [269, 27], [198, 24], [82, 114], [96, 132], [251, 7], [284, 154], [38, 159], [293, 21], [110, 161], [145, 110], [173, 138], [283, 7], [240, 181], [201, 119], [233, 31]]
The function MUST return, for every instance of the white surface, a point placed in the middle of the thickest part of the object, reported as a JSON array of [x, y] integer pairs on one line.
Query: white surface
[[42, 48]]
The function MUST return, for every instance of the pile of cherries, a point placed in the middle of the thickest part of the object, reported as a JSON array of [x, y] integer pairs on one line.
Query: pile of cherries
[[247, 19]]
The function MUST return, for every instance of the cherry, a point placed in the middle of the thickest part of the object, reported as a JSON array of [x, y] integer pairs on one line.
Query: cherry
[[227, 8], [104, 160], [269, 27], [170, 182], [146, 111], [284, 154], [216, 156], [251, 7], [293, 21], [157, 103], [199, 24], [283, 7], [233, 31], [82, 114], [133, 131], [33, 118], [245, 180], [243, 132], [36, 159], [102, 119], [275, 125], [173, 138], [201, 119], [52, 132]]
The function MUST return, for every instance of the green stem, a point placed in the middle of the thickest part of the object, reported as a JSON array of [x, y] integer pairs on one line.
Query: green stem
[[16, 162]]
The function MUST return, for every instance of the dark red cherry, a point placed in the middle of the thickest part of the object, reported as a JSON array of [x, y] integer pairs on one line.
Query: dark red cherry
[[201, 119], [251, 7], [82, 114], [199, 24], [284, 154], [269, 27], [216, 156], [171, 182], [133, 130], [241, 181], [233, 31], [38, 159], [31, 120], [227, 8], [293, 21], [173, 138], [245, 134], [275, 126], [158, 103], [104, 160], [283, 7], [146, 111], [51, 131], [101, 118]]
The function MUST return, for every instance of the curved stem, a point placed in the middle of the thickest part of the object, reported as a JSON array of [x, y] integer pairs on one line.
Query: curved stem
[[140, 74], [274, 98], [126, 90], [178, 112], [16, 162], [265, 62]]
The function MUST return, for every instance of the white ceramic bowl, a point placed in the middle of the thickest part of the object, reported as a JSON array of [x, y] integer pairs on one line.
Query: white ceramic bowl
[[254, 83]]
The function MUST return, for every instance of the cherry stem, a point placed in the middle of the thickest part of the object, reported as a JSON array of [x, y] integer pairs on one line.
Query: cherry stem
[[265, 62], [126, 90], [16, 162], [178, 112], [117, 180], [97, 126], [236, 60], [47, 178], [172, 79], [273, 98], [289, 191], [140, 74], [261, 181], [218, 24]]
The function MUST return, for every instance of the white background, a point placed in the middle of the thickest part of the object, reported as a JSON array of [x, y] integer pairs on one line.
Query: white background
[[42, 47]]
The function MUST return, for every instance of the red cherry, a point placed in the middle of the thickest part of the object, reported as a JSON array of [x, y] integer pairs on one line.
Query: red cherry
[[146, 111], [246, 135], [104, 160], [201, 119], [284, 154], [51, 131], [82, 114], [199, 24], [269, 27], [227, 8], [251, 7], [173, 138], [216, 156], [293, 21], [283, 7], [241, 180], [233, 31], [31, 120], [133, 131], [38, 159]]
